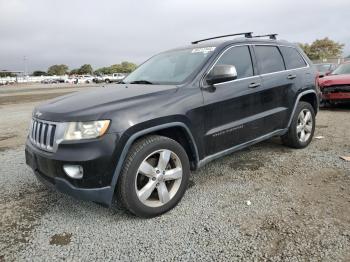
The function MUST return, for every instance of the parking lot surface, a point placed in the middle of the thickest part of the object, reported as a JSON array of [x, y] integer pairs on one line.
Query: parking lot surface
[[266, 203]]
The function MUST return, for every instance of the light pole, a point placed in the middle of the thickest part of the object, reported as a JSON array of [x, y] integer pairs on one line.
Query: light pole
[[25, 65]]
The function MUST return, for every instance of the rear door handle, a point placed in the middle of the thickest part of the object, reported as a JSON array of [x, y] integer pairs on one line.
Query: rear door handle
[[291, 76], [254, 85]]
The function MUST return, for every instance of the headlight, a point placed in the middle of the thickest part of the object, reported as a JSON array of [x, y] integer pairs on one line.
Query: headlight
[[86, 130]]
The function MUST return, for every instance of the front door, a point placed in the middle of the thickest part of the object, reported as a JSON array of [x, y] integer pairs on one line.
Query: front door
[[233, 108]]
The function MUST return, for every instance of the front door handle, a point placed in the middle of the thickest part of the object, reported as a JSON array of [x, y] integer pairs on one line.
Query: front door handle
[[291, 76], [254, 85]]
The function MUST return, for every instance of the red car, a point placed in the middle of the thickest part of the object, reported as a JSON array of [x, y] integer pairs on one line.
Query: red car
[[335, 87]]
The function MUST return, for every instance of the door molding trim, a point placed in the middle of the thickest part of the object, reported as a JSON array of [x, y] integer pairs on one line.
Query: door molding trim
[[212, 157], [243, 121]]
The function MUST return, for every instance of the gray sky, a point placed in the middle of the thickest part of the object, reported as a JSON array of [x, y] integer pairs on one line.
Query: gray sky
[[106, 32]]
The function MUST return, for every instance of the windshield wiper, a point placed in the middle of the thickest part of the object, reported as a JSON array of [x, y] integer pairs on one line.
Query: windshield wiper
[[141, 82]]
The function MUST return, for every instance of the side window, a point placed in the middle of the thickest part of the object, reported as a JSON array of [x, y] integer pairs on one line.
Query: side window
[[269, 58], [239, 56], [292, 57]]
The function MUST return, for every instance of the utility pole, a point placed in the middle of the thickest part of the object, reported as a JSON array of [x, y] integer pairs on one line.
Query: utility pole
[[25, 65]]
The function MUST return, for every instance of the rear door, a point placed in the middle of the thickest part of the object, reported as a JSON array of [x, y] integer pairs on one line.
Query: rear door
[[297, 75], [276, 86], [231, 107]]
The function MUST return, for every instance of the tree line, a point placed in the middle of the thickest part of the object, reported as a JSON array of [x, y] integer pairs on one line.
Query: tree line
[[86, 69], [320, 49]]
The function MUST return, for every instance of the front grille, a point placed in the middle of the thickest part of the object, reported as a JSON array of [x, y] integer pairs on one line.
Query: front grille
[[42, 134], [336, 89]]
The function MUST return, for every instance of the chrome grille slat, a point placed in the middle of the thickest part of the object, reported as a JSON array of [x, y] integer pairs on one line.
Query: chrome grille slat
[[37, 132], [48, 135], [41, 134], [35, 127], [41, 138], [32, 129]]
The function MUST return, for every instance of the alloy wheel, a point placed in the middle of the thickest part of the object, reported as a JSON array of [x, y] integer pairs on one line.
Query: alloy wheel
[[158, 178], [305, 125]]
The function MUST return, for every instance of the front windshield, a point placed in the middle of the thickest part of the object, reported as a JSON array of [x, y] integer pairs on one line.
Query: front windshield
[[170, 68], [342, 69]]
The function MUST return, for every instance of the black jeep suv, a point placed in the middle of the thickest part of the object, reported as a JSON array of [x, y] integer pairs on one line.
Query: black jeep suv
[[137, 141]]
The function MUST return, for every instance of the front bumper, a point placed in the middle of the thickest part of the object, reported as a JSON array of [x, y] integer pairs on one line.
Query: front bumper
[[97, 159], [336, 93], [102, 195], [340, 96]]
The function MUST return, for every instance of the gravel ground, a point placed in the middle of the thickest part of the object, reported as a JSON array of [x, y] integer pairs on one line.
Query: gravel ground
[[265, 203]]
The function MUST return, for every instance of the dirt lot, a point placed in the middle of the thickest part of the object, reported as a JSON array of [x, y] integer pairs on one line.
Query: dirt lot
[[17, 103], [265, 203]]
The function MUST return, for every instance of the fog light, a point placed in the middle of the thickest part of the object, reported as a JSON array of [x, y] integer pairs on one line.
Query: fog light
[[73, 171]]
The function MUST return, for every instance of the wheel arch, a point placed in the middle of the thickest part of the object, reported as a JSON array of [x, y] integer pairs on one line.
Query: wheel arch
[[309, 96], [175, 130]]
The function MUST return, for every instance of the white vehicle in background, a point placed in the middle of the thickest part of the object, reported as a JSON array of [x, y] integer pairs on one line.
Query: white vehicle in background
[[84, 79], [98, 79], [71, 80], [7, 81], [116, 77]]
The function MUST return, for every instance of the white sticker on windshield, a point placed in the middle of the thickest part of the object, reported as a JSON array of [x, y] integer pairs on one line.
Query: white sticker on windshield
[[204, 50]]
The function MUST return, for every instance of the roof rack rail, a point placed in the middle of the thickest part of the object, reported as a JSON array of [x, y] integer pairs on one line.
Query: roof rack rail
[[246, 34], [271, 36]]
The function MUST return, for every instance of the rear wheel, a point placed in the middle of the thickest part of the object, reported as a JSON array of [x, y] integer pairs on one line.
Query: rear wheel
[[154, 176], [302, 127]]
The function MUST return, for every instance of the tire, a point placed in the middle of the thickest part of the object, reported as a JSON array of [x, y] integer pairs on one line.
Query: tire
[[294, 137], [107, 81], [142, 167]]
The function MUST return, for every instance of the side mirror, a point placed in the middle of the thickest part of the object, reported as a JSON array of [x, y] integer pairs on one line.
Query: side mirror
[[320, 75], [221, 73]]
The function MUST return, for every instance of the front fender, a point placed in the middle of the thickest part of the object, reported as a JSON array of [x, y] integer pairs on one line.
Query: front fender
[[133, 134]]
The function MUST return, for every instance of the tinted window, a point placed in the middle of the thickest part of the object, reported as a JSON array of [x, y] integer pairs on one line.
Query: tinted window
[[269, 58], [172, 67], [292, 57], [238, 56]]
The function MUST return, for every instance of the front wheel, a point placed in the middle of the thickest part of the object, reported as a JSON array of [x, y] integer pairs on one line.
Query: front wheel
[[154, 177], [302, 127]]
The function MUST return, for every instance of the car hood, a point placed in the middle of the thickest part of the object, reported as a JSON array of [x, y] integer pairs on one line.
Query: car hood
[[98, 103], [331, 80]]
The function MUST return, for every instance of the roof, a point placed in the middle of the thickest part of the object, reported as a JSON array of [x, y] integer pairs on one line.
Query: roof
[[239, 40]]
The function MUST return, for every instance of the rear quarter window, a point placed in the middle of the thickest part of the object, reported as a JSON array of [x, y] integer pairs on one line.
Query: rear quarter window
[[269, 59], [292, 57]]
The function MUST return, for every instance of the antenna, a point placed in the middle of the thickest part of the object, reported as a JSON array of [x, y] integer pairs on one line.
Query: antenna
[[246, 34]]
